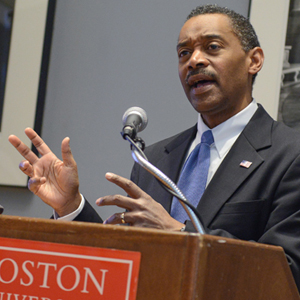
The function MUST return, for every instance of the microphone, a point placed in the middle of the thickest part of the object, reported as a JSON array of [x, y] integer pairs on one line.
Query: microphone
[[1, 209], [134, 120]]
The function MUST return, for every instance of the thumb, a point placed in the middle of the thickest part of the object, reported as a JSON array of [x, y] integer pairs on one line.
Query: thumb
[[66, 153]]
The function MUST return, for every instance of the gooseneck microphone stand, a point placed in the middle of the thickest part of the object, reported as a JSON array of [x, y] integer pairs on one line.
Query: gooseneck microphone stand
[[137, 147]]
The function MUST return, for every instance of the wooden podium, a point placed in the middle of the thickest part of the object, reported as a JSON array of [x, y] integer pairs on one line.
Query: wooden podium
[[177, 266]]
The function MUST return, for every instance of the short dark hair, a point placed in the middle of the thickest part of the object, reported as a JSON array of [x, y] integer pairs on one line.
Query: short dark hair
[[241, 26]]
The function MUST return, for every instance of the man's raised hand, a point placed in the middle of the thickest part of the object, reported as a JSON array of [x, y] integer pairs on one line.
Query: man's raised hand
[[54, 181]]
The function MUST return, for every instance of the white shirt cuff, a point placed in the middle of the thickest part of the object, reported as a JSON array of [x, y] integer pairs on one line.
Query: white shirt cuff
[[72, 215]]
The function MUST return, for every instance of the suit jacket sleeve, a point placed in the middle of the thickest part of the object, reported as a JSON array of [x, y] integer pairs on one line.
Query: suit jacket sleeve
[[88, 214]]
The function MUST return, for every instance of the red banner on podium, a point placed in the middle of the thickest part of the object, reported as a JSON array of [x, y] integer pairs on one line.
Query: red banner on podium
[[31, 270]]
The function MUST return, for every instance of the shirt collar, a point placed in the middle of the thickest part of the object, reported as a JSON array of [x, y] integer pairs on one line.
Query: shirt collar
[[227, 132]]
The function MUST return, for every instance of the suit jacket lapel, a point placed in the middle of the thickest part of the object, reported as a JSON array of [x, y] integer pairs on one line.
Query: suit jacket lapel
[[176, 151], [230, 175], [171, 161]]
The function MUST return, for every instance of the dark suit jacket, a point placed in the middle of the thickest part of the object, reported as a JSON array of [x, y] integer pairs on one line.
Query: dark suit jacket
[[261, 203]]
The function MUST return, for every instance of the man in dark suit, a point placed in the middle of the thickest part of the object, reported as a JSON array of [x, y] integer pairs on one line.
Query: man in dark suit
[[253, 184]]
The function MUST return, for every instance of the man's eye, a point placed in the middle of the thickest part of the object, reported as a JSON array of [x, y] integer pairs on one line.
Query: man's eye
[[213, 47], [183, 53]]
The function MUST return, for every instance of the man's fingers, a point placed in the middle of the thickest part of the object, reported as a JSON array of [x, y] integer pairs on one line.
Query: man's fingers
[[14, 140], [35, 183], [26, 168], [117, 200], [66, 153], [127, 185], [119, 218], [22, 149], [37, 141]]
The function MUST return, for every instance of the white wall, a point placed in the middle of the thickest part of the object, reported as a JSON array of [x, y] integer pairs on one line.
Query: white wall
[[106, 57]]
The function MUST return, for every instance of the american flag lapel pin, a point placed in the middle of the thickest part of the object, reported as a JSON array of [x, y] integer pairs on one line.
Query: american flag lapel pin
[[246, 164]]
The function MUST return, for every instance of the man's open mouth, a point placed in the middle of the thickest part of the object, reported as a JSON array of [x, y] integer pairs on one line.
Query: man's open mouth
[[202, 83]]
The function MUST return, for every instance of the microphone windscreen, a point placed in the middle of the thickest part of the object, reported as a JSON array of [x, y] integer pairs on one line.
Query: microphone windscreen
[[136, 111]]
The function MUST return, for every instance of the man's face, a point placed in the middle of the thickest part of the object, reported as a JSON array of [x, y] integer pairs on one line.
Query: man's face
[[213, 68]]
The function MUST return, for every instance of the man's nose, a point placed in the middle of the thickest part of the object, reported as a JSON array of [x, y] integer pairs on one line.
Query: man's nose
[[197, 60]]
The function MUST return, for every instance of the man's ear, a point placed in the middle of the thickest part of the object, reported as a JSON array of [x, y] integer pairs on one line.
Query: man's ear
[[257, 57]]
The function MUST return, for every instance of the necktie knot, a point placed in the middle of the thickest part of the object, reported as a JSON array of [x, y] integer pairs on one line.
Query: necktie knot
[[207, 138]]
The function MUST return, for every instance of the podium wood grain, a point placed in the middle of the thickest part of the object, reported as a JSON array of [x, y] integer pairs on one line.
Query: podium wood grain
[[176, 266]]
